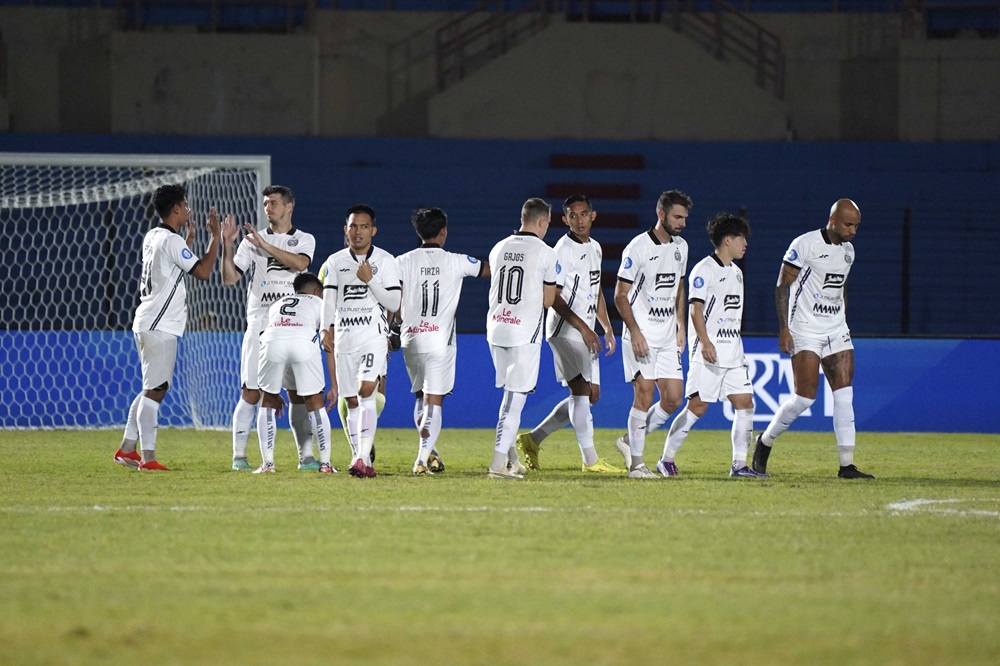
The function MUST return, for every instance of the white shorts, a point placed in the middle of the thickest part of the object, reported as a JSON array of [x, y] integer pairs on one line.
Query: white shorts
[[431, 372], [294, 362], [517, 367], [158, 355], [365, 364], [824, 345], [660, 363], [572, 359], [250, 358], [713, 383]]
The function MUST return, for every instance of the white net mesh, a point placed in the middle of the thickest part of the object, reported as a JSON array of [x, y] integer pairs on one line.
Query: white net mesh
[[72, 227]]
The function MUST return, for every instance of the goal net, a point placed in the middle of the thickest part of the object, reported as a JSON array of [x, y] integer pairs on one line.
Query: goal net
[[72, 229]]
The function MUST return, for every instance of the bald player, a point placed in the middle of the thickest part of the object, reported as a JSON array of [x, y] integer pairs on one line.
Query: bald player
[[812, 329]]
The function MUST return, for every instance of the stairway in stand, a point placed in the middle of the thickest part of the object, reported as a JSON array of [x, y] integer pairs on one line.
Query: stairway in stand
[[604, 179]]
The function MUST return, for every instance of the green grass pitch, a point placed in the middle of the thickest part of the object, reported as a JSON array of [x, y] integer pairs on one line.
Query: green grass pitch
[[202, 565]]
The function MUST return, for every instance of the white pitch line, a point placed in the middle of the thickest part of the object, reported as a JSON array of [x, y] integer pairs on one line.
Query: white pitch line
[[924, 505]]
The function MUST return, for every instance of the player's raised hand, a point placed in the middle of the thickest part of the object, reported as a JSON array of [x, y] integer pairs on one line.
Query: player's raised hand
[[610, 344], [190, 234], [250, 233], [230, 230], [213, 224], [365, 272]]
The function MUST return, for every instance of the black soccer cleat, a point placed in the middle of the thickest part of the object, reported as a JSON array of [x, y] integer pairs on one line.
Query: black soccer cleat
[[760, 454], [852, 472]]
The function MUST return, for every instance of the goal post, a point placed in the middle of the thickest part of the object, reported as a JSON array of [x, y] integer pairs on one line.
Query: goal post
[[70, 263]]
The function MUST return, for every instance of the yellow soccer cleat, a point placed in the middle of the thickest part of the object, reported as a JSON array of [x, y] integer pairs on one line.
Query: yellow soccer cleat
[[528, 449], [602, 467]]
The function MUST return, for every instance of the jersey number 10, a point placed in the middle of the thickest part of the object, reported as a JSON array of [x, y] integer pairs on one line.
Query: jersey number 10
[[510, 281]]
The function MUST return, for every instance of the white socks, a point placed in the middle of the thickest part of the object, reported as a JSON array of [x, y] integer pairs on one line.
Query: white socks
[[131, 436], [366, 427], [788, 412], [678, 431], [242, 423], [320, 422], [147, 418], [302, 431], [557, 419], [583, 426], [742, 433], [508, 422], [843, 424], [266, 431], [636, 434], [431, 424]]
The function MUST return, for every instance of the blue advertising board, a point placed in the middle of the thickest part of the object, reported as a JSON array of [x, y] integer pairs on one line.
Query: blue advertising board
[[72, 379]]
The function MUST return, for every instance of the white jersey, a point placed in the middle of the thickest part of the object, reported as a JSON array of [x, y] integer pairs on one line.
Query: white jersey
[[432, 284], [269, 279], [349, 305], [580, 280], [166, 258], [520, 266], [720, 289], [816, 302], [656, 271], [294, 317]]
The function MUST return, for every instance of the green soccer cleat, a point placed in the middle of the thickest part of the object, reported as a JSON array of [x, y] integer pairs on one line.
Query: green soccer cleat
[[311, 466], [240, 464], [528, 448]]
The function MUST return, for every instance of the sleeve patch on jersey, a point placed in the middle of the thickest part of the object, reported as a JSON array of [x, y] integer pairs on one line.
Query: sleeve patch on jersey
[[699, 282], [472, 260], [627, 263], [186, 254], [792, 255]]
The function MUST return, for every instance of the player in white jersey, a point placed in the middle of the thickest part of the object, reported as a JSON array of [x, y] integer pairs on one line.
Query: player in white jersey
[[361, 286], [812, 329], [161, 317], [718, 367], [650, 298], [522, 285], [569, 329], [289, 351], [270, 259], [432, 284]]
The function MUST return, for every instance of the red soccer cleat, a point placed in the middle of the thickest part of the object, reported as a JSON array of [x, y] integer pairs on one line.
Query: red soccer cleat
[[370, 472], [357, 469], [128, 459], [153, 465]]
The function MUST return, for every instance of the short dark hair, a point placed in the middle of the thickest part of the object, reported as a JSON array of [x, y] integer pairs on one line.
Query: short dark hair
[[429, 222], [576, 198], [304, 281], [361, 208], [535, 208], [673, 198], [166, 197], [285, 193], [726, 224]]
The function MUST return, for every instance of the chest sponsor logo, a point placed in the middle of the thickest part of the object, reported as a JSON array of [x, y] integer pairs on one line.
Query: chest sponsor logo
[[349, 322], [661, 313], [833, 281], [731, 302], [354, 292], [595, 278], [728, 334], [824, 309], [665, 281], [275, 265]]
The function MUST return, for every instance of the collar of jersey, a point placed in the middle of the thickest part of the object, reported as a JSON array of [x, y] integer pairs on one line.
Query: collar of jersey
[[575, 238], [526, 233], [826, 236], [169, 228], [652, 234], [426, 245], [290, 231], [371, 248]]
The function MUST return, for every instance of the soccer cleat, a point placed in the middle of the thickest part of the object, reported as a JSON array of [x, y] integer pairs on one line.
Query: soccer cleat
[[852, 472], [131, 459], [528, 448], [667, 468], [745, 472], [357, 469], [516, 467], [602, 467], [624, 450], [641, 472], [760, 454], [265, 468], [370, 472], [310, 466], [326, 468], [505, 474], [420, 469], [153, 465], [240, 464], [434, 462]]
